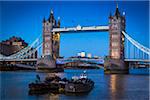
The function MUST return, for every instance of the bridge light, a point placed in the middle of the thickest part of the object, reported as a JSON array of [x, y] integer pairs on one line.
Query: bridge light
[[58, 18], [82, 54], [89, 55], [51, 11], [78, 27], [78, 54], [123, 13]]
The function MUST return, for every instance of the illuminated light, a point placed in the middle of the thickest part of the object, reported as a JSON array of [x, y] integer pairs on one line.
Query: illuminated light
[[124, 13], [78, 27], [78, 54], [53, 97], [56, 37], [113, 83], [89, 55], [82, 54], [51, 11]]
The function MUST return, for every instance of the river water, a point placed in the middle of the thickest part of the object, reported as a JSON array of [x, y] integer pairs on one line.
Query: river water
[[14, 86]]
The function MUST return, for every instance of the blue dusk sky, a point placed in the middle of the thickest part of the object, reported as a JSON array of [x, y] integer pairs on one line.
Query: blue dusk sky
[[24, 19]]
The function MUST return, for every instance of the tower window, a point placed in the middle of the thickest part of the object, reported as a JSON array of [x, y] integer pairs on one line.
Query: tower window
[[47, 38], [114, 36], [115, 44], [46, 45], [114, 20]]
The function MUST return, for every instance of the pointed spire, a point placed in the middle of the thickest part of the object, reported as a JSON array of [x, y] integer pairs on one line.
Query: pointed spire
[[117, 5], [51, 11], [110, 15], [44, 20], [117, 13], [58, 23], [51, 17], [123, 13]]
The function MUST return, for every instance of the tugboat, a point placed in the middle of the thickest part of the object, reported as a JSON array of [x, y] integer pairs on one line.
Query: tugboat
[[80, 84]]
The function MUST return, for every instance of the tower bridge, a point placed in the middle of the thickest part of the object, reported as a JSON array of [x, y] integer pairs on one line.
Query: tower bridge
[[120, 51]]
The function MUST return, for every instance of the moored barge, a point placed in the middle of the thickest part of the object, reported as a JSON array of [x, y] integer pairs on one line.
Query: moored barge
[[79, 85]]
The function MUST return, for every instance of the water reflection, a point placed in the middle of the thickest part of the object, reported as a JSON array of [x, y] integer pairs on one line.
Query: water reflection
[[53, 96], [117, 86], [14, 86], [113, 83]]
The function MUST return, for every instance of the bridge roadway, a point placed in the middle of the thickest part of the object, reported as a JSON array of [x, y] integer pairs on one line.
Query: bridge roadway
[[30, 60], [25, 66], [68, 60], [79, 28], [137, 60]]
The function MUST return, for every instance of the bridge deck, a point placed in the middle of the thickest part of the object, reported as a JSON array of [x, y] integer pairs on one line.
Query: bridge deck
[[137, 60], [79, 28], [25, 66], [29, 60]]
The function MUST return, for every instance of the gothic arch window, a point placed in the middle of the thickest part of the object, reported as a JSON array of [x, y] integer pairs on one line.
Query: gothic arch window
[[115, 44], [115, 26], [114, 36], [47, 38], [47, 52], [114, 20], [46, 45], [47, 28], [115, 53], [123, 21]]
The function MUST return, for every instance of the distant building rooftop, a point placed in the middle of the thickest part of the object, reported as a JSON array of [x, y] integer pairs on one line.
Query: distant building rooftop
[[12, 45]]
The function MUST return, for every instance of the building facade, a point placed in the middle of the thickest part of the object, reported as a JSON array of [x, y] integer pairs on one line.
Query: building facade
[[12, 45]]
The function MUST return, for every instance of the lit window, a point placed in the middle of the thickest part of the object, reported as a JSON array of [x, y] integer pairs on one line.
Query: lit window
[[114, 44], [115, 50], [46, 45], [114, 36], [47, 52], [115, 53], [47, 38]]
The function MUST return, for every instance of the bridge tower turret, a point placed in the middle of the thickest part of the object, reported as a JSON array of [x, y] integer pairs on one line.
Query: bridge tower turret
[[116, 52], [116, 26], [47, 34], [50, 44]]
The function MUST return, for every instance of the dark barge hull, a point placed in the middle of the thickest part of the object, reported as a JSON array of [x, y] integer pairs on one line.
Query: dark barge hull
[[50, 70], [78, 87], [41, 88]]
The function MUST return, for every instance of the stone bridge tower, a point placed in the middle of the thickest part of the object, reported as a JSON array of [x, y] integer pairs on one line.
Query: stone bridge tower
[[116, 52], [50, 43]]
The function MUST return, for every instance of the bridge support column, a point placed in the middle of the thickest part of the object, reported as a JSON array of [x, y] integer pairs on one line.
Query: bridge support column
[[50, 45], [115, 61]]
